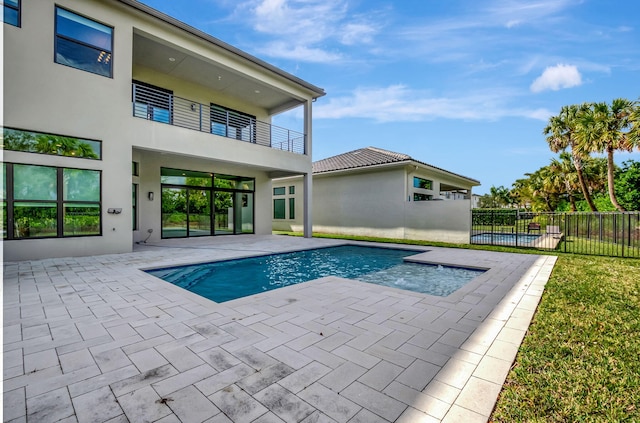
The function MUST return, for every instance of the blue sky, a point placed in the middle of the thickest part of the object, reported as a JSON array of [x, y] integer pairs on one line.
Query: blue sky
[[464, 85]]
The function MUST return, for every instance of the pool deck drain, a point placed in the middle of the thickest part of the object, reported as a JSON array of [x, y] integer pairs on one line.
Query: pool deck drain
[[92, 339]]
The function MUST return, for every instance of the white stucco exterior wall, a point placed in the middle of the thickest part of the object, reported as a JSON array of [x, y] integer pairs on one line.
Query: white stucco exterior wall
[[374, 203], [43, 96]]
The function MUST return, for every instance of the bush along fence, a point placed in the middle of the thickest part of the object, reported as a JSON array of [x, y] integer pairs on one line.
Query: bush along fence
[[615, 234]]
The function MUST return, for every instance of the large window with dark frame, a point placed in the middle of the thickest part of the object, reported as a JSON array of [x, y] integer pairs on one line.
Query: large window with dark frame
[[83, 43], [49, 202], [57, 145], [11, 13], [202, 204]]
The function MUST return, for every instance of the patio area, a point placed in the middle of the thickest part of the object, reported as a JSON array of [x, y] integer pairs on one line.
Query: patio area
[[95, 339]]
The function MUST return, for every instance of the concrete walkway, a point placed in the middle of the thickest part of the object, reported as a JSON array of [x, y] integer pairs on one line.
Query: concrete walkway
[[95, 339]]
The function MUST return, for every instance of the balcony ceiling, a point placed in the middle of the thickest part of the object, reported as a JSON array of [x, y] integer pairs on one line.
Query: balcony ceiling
[[155, 54]]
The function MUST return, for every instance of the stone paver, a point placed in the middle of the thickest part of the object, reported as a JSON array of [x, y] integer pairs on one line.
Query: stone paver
[[96, 339]]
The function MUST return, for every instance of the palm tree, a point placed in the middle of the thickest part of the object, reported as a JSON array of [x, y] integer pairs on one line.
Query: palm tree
[[522, 193], [634, 122], [545, 187], [560, 134], [604, 129], [565, 172]]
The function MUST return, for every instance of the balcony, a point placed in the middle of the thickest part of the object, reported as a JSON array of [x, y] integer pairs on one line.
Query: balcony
[[159, 105]]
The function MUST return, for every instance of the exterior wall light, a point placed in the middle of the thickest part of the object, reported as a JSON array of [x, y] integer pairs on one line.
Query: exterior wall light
[[150, 195]]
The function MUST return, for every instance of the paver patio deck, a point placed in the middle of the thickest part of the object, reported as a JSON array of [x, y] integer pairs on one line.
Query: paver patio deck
[[95, 339]]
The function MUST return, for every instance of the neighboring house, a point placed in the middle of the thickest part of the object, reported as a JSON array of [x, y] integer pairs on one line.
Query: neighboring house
[[375, 192], [475, 201], [122, 124]]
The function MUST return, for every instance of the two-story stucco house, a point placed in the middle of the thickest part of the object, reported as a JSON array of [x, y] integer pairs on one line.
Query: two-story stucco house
[[381, 193], [122, 125]]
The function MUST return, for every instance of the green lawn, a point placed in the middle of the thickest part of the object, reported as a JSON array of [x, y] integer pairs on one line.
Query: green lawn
[[580, 360]]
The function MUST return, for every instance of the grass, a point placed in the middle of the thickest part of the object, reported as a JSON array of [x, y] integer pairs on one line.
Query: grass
[[580, 359]]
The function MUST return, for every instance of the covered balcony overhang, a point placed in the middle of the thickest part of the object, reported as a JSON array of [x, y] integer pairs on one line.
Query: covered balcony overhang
[[198, 162], [260, 87]]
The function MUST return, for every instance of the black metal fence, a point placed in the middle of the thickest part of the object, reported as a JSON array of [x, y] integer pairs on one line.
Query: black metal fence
[[615, 234]]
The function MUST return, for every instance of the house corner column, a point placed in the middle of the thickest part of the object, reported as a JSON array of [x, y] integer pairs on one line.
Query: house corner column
[[308, 221], [308, 177]]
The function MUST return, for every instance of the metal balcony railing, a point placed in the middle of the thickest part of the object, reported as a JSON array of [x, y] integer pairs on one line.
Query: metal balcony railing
[[162, 106]]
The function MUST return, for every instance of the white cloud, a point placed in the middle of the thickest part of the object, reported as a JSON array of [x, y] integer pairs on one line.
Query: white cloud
[[557, 77], [357, 33], [302, 29], [397, 103], [299, 52]]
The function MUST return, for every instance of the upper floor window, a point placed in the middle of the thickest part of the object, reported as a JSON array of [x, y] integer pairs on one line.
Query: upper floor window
[[151, 102], [57, 145], [232, 124], [422, 183], [83, 43], [12, 12]]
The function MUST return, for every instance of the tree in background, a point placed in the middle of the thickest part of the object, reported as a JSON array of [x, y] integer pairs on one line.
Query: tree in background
[[560, 133], [628, 185], [604, 128], [566, 174], [496, 198]]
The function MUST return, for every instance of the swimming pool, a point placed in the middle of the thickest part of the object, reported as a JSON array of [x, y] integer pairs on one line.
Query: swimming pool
[[504, 238], [231, 279]]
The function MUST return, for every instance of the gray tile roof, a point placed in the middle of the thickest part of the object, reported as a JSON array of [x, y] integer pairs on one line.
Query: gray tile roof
[[363, 157], [369, 156]]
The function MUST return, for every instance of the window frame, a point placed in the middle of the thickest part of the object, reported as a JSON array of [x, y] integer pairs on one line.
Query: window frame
[[276, 209], [279, 190], [134, 206], [36, 133], [58, 36], [292, 208], [417, 182], [18, 10], [60, 202], [426, 197]]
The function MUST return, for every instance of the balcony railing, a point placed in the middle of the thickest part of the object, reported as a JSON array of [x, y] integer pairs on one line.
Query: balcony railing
[[162, 106]]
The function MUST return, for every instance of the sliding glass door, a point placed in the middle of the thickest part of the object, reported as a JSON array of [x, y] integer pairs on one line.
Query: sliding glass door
[[199, 212], [204, 204], [224, 213]]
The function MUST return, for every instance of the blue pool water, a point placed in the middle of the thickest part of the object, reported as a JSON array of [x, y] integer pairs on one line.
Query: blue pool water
[[227, 280], [499, 238]]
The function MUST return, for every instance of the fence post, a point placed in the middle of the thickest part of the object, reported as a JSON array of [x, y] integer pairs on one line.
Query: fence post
[[492, 224], [566, 230], [516, 226]]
